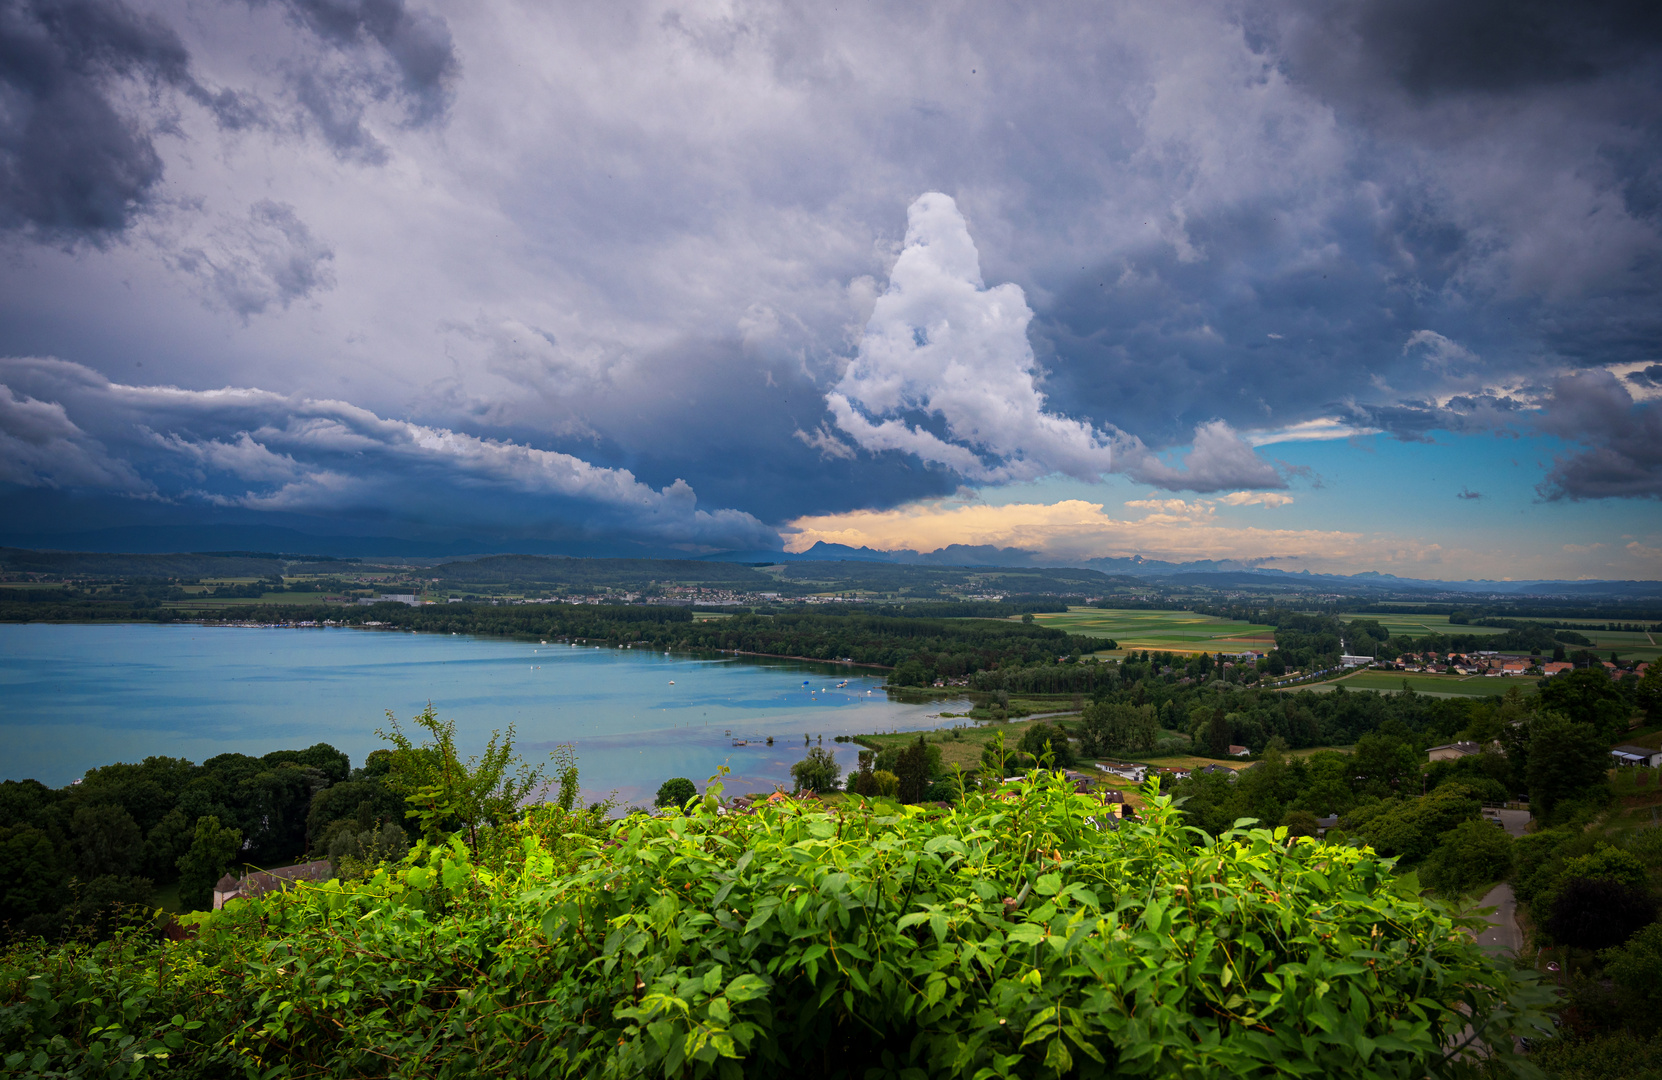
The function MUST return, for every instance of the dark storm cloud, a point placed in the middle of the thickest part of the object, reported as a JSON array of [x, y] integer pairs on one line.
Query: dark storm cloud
[[710, 409], [1407, 217], [418, 66], [1492, 46], [73, 163], [1493, 223], [1623, 455], [80, 111], [65, 426], [417, 42]]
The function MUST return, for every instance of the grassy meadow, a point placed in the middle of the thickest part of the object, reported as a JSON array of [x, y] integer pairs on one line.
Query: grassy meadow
[[1390, 682], [1628, 644], [1162, 631], [1420, 625]]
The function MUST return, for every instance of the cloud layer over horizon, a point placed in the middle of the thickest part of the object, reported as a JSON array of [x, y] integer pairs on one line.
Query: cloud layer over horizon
[[558, 269]]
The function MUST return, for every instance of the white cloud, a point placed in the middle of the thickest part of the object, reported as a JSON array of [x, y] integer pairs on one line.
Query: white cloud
[[1219, 459], [1319, 430], [826, 442], [1442, 355], [266, 258], [1257, 498], [942, 347]]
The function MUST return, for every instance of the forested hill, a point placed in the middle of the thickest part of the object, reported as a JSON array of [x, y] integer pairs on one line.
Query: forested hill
[[237, 564], [598, 573]]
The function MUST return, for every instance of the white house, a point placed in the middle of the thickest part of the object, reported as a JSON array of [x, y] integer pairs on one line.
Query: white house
[[1637, 755]]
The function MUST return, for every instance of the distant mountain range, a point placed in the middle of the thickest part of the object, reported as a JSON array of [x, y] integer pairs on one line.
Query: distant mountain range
[[1218, 574]]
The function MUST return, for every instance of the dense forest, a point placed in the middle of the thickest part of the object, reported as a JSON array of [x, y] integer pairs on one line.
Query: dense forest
[[125, 834], [1549, 748]]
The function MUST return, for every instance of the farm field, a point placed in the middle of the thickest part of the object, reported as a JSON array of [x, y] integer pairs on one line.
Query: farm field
[[1628, 644], [1419, 625], [1163, 631], [1449, 685]]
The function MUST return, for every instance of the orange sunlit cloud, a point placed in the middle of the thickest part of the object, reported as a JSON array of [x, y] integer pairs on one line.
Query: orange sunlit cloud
[[1174, 529]]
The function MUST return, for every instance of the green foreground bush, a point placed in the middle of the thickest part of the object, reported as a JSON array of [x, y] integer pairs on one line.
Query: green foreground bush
[[1013, 936]]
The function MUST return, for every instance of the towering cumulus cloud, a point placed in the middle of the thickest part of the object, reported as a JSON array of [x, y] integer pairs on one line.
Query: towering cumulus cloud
[[942, 344], [943, 351]]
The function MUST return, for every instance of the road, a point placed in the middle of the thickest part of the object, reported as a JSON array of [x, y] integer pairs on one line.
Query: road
[[1503, 935]]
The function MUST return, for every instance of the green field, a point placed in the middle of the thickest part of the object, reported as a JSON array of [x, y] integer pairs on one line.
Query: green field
[[1450, 685], [1420, 625], [1628, 644], [1164, 631]]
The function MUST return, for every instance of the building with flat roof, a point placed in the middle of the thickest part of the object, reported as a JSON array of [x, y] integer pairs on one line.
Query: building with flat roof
[[1452, 751]]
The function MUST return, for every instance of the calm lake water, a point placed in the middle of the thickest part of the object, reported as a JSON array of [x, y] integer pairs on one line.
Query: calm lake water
[[74, 697]]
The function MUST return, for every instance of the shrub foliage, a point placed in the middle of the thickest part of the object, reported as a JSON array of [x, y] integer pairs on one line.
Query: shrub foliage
[[1016, 935]]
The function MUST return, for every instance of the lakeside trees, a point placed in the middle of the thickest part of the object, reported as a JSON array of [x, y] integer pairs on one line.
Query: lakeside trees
[[935, 647], [128, 831]]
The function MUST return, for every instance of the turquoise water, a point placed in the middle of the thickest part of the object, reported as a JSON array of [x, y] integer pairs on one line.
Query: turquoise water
[[73, 697]]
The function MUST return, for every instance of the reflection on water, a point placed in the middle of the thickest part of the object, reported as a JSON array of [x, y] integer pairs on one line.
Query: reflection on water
[[73, 697]]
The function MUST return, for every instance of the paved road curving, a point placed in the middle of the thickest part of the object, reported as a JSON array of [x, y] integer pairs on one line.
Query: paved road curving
[[1503, 935]]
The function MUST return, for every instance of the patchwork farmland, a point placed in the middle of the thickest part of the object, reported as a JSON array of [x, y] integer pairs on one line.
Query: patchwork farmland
[[1163, 631]]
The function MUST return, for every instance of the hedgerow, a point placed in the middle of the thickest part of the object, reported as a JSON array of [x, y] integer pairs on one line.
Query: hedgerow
[[1018, 934]]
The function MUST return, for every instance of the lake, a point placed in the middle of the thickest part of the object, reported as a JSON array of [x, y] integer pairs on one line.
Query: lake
[[77, 696]]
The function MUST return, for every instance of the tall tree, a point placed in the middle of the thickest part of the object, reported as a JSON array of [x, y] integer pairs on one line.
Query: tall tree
[[1566, 761], [447, 794], [817, 772], [107, 841], [912, 771], [212, 850]]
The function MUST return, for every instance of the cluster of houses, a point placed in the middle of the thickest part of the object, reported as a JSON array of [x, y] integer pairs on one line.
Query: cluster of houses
[[1626, 755], [1490, 664]]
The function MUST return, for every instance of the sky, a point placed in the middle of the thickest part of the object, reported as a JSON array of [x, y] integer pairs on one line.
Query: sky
[[1339, 287]]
